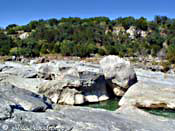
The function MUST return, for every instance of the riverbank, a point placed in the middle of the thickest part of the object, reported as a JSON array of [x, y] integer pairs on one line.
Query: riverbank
[[36, 90]]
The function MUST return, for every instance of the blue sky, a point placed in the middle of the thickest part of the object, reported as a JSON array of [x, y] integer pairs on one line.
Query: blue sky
[[22, 11]]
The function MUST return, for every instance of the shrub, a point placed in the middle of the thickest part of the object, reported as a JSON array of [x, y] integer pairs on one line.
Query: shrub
[[67, 48], [101, 51], [81, 50], [20, 52], [5, 44], [56, 48], [166, 66], [171, 54], [11, 31], [14, 51]]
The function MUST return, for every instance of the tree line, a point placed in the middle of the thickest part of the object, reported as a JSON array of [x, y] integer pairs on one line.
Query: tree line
[[82, 37]]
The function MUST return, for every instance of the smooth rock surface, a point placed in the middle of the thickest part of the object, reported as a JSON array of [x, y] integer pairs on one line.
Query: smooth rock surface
[[19, 69], [87, 119], [24, 83], [150, 95], [155, 77], [119, 73], [21, 98], [88, 84]]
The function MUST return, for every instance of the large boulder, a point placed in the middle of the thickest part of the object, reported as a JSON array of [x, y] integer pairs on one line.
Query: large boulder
[[59, 91], [24, 83], [93, 87], [150, 95], [74, 87], [5, 110], [18, 69], [119, 73], [21, 98], [53, 69], [132, 32], [24, 35], [47, 71]]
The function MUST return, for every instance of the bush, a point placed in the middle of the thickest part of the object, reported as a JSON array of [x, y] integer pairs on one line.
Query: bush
[[155, 49], [92, 48], [171, 54], [101, 51], [20, 52], [11, 31], [166, 66], [44, 48], [81, 50], [14, 51], [110, 50], [6, 44], [67, 48], [56, 48]]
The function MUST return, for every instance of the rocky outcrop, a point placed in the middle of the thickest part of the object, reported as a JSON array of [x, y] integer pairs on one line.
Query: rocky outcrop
[[74, 87], [118, 29], [87, 119], [59, 91], [158, 78], [64, 82], [132, 32], [17, 69], [30, 84], [13, 97], [53, 69], [154, 90], [119, 73], [24, 35], [149, 95], [22, 107]]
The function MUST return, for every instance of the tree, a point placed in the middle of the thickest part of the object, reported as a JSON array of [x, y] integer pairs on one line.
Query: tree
[[171, 53], [155, 38], [157, 19], [142, 24], [53, 22], [125, 22], [67, 48], [11, 31], [6, 44], [11, 26]]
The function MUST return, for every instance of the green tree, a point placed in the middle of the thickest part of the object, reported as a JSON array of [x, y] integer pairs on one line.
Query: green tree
[[171, 53], [67, 48], [6, 44], [142, 24], [11, 26]]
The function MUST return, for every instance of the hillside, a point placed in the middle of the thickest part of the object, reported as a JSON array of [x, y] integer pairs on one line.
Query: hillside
[[83, 37]]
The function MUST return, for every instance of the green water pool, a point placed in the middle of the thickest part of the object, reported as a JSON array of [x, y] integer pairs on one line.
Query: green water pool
[[112, 105], [162, 112]]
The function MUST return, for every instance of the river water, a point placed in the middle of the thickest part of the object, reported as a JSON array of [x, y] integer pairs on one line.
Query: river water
[[112, 105]]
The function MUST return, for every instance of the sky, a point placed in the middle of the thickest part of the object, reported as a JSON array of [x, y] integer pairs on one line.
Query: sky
[[23, 11]]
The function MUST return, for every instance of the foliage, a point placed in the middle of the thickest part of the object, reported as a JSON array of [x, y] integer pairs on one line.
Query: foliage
[[5, 44], [171, 53], [82, 37]]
